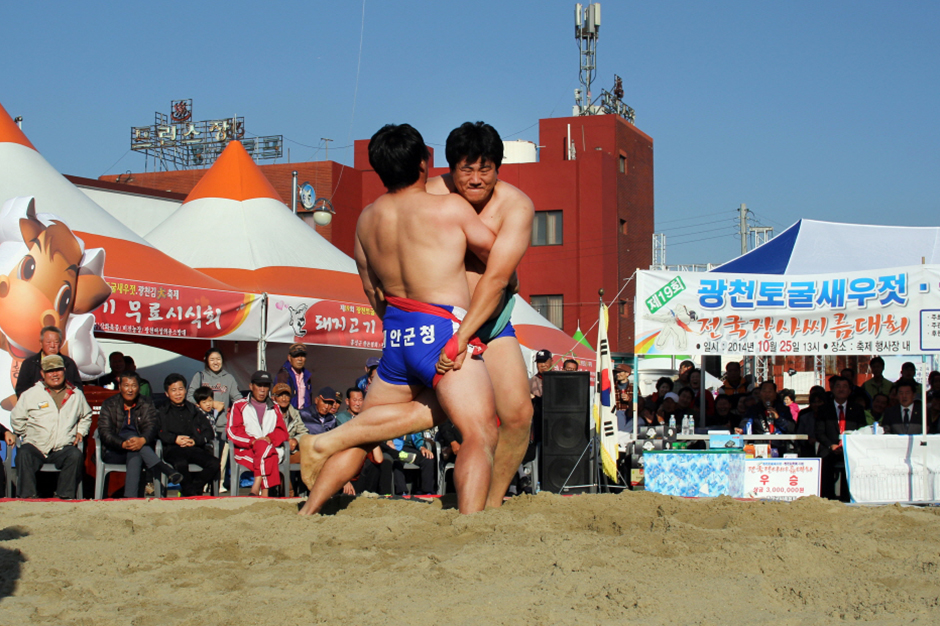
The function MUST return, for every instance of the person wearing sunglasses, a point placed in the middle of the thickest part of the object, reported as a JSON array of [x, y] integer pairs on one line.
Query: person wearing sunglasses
[[322, 418]]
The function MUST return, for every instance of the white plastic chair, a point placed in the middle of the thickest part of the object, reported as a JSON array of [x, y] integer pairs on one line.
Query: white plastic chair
[[10, 470], [102, 470], [193, 467], [236, 472]]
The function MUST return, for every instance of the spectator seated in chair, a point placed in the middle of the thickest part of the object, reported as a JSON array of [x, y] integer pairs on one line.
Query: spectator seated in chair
[[52, 417], [322, 418], [257, 430], [412, 449], [187, 434], [128, 426], [283, 396]]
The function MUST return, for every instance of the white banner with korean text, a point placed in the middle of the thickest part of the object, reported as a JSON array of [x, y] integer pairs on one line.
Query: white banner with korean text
[[888, 311]]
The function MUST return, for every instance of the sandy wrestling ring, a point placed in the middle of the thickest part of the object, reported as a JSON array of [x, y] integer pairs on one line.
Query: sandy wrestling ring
[[607, 559]]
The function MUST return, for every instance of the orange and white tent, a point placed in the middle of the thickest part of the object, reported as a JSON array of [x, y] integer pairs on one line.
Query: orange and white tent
[[65, 261], [234, 226], [537, 333], [164, 292]]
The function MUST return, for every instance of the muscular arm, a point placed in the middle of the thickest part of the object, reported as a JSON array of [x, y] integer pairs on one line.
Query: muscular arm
[[515, 233], [370, 281]]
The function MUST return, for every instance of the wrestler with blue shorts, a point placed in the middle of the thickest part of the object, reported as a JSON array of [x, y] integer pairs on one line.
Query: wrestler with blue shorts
[[414, 244]]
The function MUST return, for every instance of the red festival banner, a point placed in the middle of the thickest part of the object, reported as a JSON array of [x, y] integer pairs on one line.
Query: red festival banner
[[157, 309], [323, 322]]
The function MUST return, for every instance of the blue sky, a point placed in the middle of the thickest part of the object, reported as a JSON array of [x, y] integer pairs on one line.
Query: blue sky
[[823, 110]]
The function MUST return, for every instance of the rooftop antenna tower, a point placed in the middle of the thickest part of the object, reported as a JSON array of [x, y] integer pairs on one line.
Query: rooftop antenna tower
[[587, 26]]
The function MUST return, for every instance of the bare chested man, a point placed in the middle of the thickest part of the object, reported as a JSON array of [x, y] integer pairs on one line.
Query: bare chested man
[[411, 245], [474, 153]]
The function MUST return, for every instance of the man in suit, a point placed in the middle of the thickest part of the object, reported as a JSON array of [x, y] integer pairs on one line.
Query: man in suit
[[906, 417], [835, 418]]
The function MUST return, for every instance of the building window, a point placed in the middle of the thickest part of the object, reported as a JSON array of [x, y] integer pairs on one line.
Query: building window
[[623, 227], [623, 164], [550, 307], [547, 228]]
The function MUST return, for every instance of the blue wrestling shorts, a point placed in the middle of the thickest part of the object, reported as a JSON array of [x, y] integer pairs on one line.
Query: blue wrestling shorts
[[415, 333], [500, 326]]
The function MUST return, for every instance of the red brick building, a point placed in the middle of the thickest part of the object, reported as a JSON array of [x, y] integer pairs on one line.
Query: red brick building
[[592, 188]]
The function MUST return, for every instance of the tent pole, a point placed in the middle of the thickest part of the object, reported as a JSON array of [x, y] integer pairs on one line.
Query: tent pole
[[262, 344]]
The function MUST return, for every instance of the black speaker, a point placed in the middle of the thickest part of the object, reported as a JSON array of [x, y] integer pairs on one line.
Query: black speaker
[[566, 431]]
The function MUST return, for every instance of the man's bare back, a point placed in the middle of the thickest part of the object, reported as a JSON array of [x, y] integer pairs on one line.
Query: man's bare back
[[413, 244]]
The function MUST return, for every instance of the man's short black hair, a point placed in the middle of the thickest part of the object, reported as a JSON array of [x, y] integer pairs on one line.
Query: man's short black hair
[[396, 153], [687, 390], [877, 359], [768, 382], [818, 395], [133, 375], [471, 142], [833, 380], [904, 382], [173, 378], [567, 361], [203, 393], [351, 391]]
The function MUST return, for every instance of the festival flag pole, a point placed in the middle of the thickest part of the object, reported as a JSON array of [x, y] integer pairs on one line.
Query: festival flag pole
[[605, 409]]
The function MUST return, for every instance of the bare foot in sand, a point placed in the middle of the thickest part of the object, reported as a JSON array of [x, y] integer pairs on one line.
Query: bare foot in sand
[[311, 460]]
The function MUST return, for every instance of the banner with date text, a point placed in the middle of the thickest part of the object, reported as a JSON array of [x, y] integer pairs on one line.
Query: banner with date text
[[887, 311], [156, 309]]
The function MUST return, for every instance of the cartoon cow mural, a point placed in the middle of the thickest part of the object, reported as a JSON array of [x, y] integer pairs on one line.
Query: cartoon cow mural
[[47, 278]]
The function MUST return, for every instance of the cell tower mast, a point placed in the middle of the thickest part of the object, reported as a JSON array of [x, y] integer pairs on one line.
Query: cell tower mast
[[587, 28]]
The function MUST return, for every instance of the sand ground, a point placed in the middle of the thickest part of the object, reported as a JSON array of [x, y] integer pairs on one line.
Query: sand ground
[[605, 559]]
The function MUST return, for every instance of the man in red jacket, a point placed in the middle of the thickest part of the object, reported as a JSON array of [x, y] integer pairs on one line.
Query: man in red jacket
[[257, 430]]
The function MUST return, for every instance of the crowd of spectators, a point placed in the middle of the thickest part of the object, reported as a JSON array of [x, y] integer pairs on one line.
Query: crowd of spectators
[[201, 425], [741, 406]]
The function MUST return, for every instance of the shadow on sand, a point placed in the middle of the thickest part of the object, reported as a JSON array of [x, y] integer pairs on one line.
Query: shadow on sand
[[11, 561]]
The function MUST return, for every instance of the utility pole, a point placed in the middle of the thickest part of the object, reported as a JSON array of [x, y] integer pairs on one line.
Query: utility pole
[[327, 141], [743, 210]]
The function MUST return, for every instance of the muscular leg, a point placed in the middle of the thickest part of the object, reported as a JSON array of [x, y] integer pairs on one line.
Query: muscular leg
[[466, 395], [506, 368], [330, 460], [380, 420]]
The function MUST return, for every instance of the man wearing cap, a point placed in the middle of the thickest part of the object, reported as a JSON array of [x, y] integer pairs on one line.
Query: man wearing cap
[[622, 374], [322, 418], [52, 417], [282, 394], [543, 363], [363, 381], [257, 430], [295, 374], [50, 341]]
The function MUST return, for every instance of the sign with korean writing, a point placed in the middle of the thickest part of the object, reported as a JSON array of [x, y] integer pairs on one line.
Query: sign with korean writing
[[139, 308], [176, 140], [781, 479], [323, 322], [888, 311]]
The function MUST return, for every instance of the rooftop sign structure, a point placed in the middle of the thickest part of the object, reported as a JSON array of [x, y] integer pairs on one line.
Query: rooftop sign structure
[[175, 141]]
